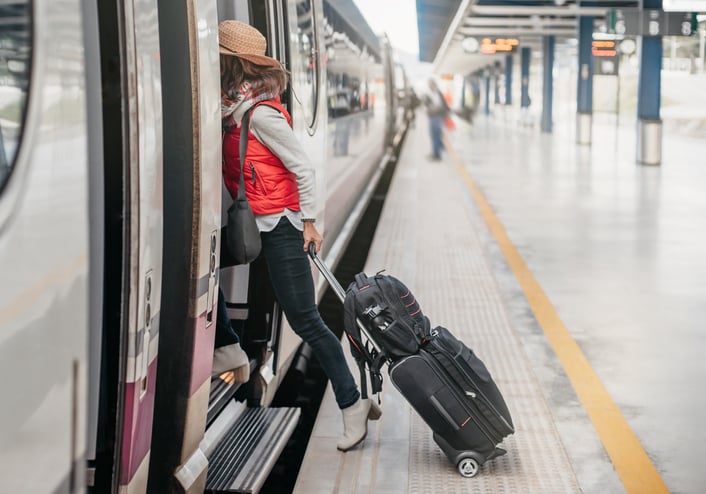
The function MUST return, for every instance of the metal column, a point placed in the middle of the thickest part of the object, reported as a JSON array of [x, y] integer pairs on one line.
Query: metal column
[[649, 123], [486, 73], [508, 80], [584, 93], [497, 71], [548, 86], [524, 74]]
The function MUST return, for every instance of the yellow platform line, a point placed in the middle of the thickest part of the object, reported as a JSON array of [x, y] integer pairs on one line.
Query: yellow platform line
[[637, 472]]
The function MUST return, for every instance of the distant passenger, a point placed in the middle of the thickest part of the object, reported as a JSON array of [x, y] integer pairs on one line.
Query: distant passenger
[[437, 111], [280, 186]]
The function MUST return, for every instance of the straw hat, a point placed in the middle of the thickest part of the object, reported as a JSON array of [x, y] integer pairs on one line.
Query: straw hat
[[244, 41]]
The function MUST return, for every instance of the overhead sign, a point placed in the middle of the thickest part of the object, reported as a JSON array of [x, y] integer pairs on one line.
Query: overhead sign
[[651, 22], [490, 46], [605, 57]]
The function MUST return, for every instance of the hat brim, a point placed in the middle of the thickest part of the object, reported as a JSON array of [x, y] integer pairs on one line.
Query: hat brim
[[263, 60]]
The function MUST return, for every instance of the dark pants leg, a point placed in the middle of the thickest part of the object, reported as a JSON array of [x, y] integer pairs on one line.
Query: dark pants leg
[[435, 124], [224, 331], [290, 274]]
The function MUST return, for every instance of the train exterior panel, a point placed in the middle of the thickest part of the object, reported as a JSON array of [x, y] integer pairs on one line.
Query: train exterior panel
[[44, 247]]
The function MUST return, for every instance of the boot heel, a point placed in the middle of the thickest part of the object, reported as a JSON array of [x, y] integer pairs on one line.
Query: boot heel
[[242, 374], [375, 411]]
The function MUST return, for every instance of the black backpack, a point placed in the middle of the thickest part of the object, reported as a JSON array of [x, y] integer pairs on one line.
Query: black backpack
[[391, 317]]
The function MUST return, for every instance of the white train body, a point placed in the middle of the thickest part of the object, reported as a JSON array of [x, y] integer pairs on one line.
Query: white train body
[[111, 208]]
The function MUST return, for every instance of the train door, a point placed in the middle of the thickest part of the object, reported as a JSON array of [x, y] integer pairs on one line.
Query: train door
[[191, 197], [44, 245], [132, 137]]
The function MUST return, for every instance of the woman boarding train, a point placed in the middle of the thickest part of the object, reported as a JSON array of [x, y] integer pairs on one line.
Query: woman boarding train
[[280, 186]]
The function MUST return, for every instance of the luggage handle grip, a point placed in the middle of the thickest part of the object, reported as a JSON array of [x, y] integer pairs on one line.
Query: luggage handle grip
[[340, 292]]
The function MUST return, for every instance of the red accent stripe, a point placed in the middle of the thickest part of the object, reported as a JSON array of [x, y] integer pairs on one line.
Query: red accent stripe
[[416, 312], [202, 360], [411, 303], [137, 428], [354, 343], [405, 295], [465, 421], [363, 288]]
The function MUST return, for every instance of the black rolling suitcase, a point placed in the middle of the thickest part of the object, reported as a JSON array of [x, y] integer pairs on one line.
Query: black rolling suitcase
[[453, 392], [443, 380]]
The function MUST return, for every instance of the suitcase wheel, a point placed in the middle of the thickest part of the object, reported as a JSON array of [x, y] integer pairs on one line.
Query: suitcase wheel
[[468, 467]]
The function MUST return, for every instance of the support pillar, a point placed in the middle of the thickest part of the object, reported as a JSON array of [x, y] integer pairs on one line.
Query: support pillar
[[508, 80], [584, 93], [524, 74], [649, 123], [548, 86], [496, 73], [487, 91]]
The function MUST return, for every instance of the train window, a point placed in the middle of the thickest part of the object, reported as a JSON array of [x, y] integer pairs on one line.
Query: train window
[[307, 72], [15, 51], [349, 66]]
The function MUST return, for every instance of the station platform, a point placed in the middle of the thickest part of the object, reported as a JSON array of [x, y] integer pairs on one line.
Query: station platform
[[578, 277]]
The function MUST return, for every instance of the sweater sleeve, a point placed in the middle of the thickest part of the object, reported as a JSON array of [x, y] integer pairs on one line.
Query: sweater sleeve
[[270, 127]]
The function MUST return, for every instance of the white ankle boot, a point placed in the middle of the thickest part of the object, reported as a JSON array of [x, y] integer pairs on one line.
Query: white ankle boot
[[231, 358], [355, 422]]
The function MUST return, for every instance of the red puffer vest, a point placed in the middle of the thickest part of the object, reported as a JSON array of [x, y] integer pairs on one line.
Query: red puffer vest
[[269, 186]]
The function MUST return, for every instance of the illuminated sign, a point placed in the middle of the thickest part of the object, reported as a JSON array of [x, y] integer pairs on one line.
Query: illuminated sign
[[489, 46], [605, 57], [603, 48]]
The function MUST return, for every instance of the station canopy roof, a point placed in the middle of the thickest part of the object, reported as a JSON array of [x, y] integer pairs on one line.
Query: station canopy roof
[[444, 25]]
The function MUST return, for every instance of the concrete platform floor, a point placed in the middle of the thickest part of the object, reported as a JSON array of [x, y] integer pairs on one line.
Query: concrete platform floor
[[616, 248]]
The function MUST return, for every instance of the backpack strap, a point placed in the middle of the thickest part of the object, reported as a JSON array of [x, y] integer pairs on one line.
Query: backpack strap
[[362, 354], [350, 324], [362, 281]]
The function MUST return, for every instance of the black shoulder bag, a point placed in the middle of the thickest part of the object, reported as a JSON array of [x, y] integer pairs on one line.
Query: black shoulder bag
[[242, 235]]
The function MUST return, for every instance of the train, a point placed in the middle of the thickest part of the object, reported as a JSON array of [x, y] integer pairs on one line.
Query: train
[[112, 209]]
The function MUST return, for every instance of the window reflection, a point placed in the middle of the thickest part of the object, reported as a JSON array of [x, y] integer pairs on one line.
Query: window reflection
[[351, 68], [15, 50], [307, 83]]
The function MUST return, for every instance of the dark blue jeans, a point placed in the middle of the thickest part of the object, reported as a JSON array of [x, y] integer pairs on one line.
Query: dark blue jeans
[[290, 274], [436, 123]]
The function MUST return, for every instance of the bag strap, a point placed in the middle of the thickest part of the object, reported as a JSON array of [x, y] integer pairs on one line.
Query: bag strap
[[362, 354], [361, 280], [351, 327], [244, 129]]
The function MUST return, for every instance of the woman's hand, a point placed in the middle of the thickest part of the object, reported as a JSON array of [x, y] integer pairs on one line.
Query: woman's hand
[[311, 235]]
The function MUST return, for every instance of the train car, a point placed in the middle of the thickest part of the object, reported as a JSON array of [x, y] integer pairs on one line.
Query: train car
[[111, 214]]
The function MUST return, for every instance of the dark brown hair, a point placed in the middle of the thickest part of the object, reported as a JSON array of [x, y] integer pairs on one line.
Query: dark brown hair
[[235, 70]]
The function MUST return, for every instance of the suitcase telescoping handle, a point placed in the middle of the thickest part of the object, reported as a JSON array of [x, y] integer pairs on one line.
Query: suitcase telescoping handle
[[323, 268], [340, 292], [374, 365]]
